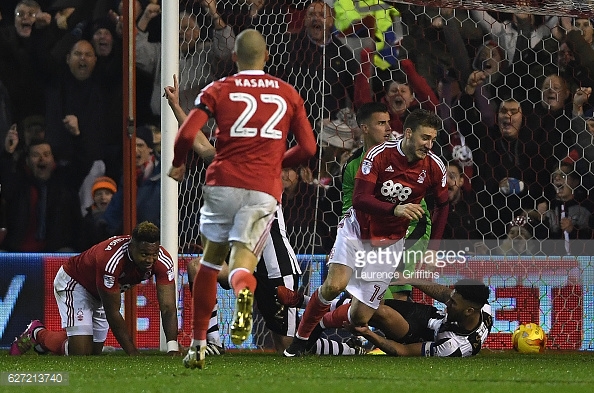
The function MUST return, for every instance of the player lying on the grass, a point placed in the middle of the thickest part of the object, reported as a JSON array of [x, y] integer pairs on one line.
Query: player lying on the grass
[[415, 329], [88, 291]]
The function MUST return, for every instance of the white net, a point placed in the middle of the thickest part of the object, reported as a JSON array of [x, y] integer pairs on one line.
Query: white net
[[510, 83], [538, 7]]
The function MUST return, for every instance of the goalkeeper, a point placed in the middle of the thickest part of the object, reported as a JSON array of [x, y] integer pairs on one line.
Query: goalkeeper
[[419, 231]]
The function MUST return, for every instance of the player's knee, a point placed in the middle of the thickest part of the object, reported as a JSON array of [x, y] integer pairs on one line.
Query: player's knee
[[331, 289], [379, 317], [334, 284], [359, 317], [80, 345]]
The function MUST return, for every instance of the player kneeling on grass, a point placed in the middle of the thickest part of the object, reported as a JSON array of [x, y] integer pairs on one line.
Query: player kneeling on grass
[[88, 292]]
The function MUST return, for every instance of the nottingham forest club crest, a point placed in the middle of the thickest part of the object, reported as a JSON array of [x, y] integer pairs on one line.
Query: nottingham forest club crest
[[422, 177]]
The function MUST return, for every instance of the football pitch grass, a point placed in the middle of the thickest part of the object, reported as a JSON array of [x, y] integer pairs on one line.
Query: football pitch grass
[[247, 372]]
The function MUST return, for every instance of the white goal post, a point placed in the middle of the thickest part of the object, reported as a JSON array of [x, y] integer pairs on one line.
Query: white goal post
[[169, 127]]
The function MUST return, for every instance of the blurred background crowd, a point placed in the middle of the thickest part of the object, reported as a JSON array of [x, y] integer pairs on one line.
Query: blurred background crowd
[[514, 91]]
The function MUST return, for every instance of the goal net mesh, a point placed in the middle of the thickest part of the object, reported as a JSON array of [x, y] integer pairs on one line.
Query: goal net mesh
[[481, 67], [539, 7]]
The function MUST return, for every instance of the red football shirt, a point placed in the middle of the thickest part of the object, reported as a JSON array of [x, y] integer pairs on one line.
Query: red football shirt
[[398, 182], [254, 112], [108, 266]]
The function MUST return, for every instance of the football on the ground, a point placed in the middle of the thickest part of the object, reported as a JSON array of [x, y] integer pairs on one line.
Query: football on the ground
[[529, 338]]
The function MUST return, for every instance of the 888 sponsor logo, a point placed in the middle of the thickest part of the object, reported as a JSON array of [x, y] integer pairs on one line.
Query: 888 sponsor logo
[[395, 192]]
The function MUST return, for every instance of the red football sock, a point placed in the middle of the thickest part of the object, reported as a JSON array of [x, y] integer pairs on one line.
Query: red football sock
[[314, 311], [337, 318], [54, 342], [242, 278], [204, 297]]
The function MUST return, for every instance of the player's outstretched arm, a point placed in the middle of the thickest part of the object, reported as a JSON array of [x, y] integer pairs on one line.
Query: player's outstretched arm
[[203, 147], [201, 144], [438, 292], [410, 211], [364, 200], [184, 141], [166, 298], [111, 304], [177, 172], [172, 95], [390, 347]]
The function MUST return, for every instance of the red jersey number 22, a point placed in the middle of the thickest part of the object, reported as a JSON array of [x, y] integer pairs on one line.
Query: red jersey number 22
[[239, 129]]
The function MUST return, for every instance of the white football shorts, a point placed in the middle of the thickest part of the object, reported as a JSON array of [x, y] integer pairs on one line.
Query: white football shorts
[[81, 313], [373, 268], [236, 214]]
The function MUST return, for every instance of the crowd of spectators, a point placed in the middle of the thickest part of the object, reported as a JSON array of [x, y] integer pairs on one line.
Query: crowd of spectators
[[513, 91]]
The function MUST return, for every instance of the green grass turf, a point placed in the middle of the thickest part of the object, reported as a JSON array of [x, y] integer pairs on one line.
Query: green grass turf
[[247, 372]]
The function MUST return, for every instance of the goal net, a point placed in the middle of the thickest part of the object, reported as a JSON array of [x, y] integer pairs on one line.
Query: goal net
[[539, 7], [510, 81]]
